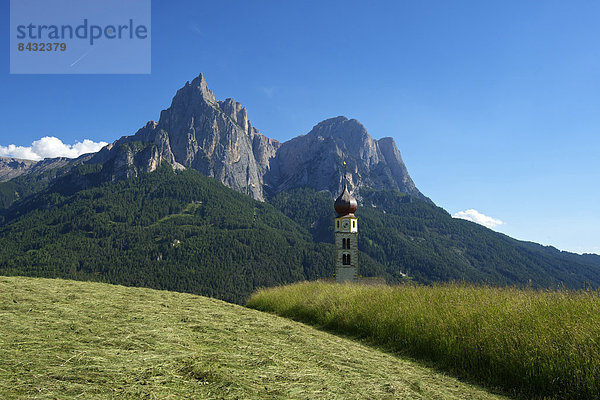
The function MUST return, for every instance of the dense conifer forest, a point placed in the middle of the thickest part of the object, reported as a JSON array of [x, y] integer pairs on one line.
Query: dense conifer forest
[[416, 238]]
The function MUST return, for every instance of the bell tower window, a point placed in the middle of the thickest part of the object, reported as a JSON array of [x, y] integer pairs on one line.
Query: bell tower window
[[346, 259], [345, 243]]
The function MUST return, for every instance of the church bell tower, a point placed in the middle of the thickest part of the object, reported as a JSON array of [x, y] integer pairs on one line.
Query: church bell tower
[[346, 237]]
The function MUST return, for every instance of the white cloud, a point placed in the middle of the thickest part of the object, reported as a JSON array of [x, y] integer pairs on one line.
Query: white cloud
[[50, 147], [477, 217]]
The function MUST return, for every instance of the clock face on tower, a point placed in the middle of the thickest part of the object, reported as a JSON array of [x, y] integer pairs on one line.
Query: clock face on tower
[[345, 225]]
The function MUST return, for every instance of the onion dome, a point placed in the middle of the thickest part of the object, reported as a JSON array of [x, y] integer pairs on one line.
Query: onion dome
[[345, 204]]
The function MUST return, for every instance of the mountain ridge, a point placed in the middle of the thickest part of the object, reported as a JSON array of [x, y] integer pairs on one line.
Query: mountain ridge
[[11, 167], [217, 139]]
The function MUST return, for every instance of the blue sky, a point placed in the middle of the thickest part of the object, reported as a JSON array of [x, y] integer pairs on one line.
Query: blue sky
[[494, 105]]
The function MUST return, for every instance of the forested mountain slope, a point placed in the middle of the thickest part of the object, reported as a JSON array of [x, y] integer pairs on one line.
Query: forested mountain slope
[[414, 237], [175, 230]]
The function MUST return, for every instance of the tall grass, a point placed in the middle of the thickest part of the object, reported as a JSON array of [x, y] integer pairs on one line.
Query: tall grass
[[531, 343]]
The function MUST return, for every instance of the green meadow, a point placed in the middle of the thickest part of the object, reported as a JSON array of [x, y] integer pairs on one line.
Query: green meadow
[[531, 343], [64, 339]]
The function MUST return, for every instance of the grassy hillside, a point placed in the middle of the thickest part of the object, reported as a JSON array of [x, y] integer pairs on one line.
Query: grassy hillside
[[74, 340], [532, 343], [417, 238]]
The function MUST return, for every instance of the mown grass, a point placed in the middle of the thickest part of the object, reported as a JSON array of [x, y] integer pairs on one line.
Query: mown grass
[[541, 344], [81, 340]]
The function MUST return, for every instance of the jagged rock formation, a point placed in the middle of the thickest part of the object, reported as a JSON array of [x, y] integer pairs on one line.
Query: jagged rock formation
[[317, 160], [199, 132], [217, 139]]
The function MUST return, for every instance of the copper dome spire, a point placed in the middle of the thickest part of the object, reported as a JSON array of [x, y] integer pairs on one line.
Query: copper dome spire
[[345, 204]]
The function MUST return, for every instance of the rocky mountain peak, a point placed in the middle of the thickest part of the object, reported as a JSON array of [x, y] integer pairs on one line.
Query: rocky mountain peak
[[338, 126], [198, 132], [199, 84], [351, 138], [334, 147]]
